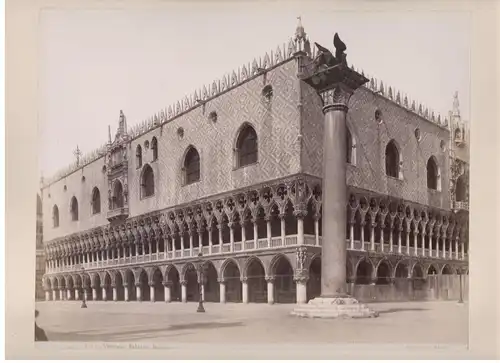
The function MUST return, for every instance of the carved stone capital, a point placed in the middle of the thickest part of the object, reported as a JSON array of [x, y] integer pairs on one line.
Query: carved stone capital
[[270, 278], [301, 279], [244, 279], [336, 98], [183, 282], [167, 283], [221, 280]]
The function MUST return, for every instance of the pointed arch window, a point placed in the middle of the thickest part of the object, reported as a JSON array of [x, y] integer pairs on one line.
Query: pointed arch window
[[433, 174], [247, 147], [55, 216], [74, 209], [154, 148], [392, 160], [138, 156], [96, 201], [147, 182], [117, 201], [460, 189], [192, 166]]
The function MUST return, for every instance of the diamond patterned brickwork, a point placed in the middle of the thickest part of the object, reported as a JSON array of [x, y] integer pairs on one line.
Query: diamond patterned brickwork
[[277, 127], [372, 137]]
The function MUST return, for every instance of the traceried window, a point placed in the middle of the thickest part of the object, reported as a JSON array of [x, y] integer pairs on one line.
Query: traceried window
[[247, 146], [192, 166], [138, 156], [392, 160], [96, 201], [74, 209], [117, 195], [432, 174], [147, 182], [154, 148], [55, 216]]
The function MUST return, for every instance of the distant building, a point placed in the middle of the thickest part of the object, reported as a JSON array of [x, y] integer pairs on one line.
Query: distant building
[[234, 172], [40, 253]]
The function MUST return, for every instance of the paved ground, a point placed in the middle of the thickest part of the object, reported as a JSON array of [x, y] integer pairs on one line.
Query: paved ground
[[399, 323]]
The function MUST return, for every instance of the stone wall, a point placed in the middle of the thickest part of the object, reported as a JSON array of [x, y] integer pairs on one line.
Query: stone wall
[[436, 287], [371, 139]]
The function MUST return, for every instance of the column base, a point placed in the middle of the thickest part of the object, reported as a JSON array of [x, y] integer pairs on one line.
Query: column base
[[334, 307]]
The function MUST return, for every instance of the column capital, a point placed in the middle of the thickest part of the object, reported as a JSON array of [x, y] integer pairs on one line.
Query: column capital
[[221, 280], [336, 98], [244, 279], [138, 284], [301, 279], [167, 283], [183, 282], [270, 278]]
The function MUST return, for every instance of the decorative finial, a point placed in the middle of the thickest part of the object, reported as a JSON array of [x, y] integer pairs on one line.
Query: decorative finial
[[109, 134], [77, 154], [456, 105]]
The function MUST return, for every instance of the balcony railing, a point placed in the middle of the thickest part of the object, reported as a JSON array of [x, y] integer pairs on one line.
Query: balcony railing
[[262, 244], [462, 205]]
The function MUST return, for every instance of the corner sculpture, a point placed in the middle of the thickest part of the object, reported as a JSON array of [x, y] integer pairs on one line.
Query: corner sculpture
[[335, 82]]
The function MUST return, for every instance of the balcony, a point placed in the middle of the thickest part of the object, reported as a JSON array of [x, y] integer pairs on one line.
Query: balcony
[[117, 214], [262, 244]]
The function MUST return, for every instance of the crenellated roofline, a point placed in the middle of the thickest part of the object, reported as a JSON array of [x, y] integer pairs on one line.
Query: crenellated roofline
[[273, 59]]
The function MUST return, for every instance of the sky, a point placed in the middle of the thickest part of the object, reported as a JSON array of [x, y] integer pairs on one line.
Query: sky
[[93, 63]]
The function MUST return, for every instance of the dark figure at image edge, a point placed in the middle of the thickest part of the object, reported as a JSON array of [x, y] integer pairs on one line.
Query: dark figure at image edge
[[40, 335]]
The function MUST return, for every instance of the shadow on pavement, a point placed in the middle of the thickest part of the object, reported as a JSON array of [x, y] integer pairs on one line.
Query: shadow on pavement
[[397, 310], [209, 325]]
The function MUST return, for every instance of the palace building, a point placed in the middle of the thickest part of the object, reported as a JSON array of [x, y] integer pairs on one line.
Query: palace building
[[228, 182]]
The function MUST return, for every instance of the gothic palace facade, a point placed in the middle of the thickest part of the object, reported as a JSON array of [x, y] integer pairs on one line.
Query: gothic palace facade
[[230, 179]]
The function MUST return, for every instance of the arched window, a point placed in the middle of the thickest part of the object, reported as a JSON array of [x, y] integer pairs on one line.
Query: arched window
[[117, 195], [96, 201], [433, 174], [350, 143], [392, 160], [55, 216], [147, 182], [154, 148], [247, 146], [138, 156], [74, 209], [192, 166], [460, 189]]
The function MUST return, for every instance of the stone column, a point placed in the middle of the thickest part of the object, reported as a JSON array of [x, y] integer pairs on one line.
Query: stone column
[[438, 242], [415, 242], [391, 240], [68, 294], [335, 82], [182, 243], [231, 236], [191, 242], [422, 245], [351, 234], [115, 293], [47, 295], [138, 291], [125, 288], [86, 294], [77, 293], [462, 245], [270, 289], [61, 294], [408, 229], [372, 235], [243, 234], [104, 294], [316, 228], [209, 229], [183, 291], [362, 234], [244, 290], [255, 233], [268, 230], [54, 294], [301, 289], [299, 214], [221, 242], [444, 247], [283, 228], [94, 293], [400, 245], [382, 227], [222, 290], [152, 292], [168, 295]]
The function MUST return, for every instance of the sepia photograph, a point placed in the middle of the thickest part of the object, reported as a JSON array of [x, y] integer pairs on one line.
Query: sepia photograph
[[253, 173]]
